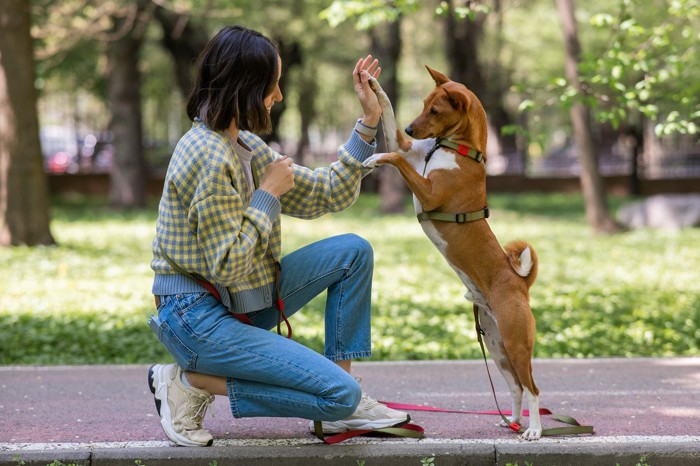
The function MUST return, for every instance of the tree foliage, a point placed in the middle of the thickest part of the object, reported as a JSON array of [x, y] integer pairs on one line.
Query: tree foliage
[[650, 66], [645, 65]]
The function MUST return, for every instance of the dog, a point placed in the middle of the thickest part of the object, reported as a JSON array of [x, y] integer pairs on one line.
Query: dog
[[443, 163]]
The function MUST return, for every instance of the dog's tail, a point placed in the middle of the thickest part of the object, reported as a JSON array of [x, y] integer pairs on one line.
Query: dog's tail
[[523, 259]]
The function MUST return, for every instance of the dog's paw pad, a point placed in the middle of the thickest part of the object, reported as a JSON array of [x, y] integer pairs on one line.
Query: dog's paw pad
[[532, 434]]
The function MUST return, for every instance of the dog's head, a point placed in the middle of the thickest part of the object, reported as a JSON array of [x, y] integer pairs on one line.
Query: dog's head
[[450, 109]]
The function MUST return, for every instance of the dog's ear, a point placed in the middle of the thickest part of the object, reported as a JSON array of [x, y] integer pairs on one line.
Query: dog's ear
[[458, 100], [438, 77]]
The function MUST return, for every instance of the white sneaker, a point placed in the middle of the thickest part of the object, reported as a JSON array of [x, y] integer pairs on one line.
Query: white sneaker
[[181, 408], [370, 414]]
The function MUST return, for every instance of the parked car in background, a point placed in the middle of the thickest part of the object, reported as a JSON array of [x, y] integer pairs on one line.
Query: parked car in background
[[65, 151]]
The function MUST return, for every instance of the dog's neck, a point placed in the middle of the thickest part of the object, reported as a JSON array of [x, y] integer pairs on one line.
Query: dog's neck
[[471, 132]]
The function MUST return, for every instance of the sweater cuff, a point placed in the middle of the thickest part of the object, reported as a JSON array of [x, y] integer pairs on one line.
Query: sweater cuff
[[358, 148], [266, 202]]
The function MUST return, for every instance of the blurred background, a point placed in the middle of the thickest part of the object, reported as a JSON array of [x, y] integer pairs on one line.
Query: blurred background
[[110, 76]]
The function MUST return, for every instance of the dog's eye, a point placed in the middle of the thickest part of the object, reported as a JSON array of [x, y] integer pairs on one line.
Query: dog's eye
[[433, 111]]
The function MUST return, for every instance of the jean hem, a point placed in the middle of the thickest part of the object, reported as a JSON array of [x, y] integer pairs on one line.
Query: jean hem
[[230, 389], [346, 356]]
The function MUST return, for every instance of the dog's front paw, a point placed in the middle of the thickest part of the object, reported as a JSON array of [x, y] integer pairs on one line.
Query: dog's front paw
[[374, 85], [532, 434], [373, 161]]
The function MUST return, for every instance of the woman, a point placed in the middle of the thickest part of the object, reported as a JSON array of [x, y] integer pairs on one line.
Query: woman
[[219, 280]]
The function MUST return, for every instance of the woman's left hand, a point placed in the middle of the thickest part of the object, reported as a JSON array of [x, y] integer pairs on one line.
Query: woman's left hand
[[366, 68]]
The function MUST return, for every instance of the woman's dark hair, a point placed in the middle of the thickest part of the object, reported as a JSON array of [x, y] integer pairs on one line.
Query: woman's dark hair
[[235, 72]]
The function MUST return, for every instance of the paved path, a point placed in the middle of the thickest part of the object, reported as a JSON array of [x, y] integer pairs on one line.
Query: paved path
[[641, 408]]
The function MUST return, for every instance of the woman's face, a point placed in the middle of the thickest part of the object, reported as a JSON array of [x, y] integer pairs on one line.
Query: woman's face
[[276, 95]]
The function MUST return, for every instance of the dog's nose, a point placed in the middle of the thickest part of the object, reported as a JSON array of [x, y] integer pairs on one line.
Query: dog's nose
[[409, 130]]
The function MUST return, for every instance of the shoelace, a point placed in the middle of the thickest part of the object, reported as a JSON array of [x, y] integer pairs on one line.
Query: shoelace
[[198, 405], [367, 402]]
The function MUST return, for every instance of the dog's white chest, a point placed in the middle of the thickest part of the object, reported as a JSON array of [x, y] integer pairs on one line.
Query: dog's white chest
[[440, 159]]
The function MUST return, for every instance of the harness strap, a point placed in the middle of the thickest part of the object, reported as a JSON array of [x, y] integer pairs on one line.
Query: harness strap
[[212, 289], [462, 217], [461, 149]]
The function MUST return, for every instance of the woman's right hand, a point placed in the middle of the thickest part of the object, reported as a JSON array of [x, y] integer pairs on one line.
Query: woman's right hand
[[278, 177], [364, 69]]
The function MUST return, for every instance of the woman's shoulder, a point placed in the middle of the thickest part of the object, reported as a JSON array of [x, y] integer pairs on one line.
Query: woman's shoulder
[[198, 151], [199, 137]]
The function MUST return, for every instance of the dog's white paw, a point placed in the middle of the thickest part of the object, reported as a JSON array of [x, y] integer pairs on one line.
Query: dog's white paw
[[371, 162], [532, 434]]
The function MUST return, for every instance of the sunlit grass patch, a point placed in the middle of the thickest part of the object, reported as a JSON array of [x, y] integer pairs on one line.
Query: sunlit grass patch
[[633, 294]]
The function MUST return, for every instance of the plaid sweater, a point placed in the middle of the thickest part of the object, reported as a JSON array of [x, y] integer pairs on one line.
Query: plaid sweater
[[211, 224]]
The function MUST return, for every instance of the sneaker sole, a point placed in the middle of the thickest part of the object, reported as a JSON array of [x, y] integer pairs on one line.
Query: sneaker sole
[[364, 426], [152, 387], [160, 394]]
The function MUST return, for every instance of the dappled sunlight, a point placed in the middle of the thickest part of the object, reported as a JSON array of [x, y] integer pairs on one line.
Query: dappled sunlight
[[633, 294]]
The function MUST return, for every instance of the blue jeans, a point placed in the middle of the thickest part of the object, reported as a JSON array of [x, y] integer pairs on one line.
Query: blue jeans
[[268, 374]]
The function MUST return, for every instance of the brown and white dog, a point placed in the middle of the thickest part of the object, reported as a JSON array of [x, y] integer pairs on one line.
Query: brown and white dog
[[444, 166]]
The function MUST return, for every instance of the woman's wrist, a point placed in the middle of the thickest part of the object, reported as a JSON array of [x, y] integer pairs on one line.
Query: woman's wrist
[[370, 121], [365, 131]]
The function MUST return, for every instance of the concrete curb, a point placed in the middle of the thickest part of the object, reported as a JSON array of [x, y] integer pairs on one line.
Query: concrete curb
[[629, 451]]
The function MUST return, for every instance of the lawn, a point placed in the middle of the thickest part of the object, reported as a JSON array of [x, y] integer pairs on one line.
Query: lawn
[[634, 294]]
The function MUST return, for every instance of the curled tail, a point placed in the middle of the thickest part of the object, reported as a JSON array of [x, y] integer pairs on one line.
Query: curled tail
[[523, 259]]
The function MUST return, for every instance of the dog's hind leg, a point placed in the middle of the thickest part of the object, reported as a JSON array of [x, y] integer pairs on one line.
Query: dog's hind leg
[[518, 333], [494, 343]]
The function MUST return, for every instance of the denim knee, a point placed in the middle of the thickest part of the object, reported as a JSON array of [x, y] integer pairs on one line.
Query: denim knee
[[343, 401], [361, 245]]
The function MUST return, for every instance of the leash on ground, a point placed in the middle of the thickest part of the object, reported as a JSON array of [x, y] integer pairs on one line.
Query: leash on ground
[[408, 430], [415, 431]]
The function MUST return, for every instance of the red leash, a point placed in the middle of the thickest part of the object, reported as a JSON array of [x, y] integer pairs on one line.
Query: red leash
[[576, 427], [406, 430], [406, 407]]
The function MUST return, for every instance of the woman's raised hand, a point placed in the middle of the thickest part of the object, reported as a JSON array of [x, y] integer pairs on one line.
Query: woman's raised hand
[[364, 69]]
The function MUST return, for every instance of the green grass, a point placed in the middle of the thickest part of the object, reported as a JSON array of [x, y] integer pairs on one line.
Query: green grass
[[634, 294]]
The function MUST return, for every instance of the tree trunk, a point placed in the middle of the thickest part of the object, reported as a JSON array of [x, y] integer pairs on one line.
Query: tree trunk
[[591, 180], [387, 48], [462, 43], [128, 177], [184, 40], [308, 89], [24, 197]]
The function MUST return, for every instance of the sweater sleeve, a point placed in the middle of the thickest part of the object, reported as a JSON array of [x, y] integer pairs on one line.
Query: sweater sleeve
[[329, 189]]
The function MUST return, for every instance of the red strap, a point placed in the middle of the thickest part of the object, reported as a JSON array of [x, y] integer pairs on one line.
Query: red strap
[[464, 150], [406, 430], [243, 317], [408, 407]]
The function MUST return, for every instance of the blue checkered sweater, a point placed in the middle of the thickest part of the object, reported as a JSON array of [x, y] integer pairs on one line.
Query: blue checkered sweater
[[211, 224]]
